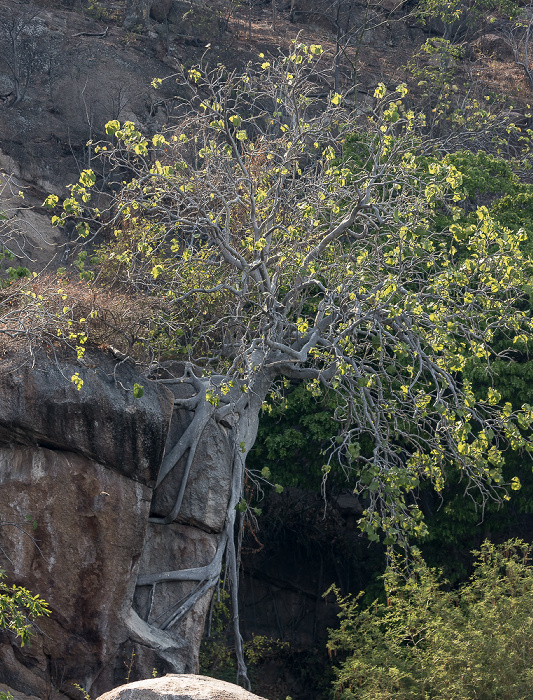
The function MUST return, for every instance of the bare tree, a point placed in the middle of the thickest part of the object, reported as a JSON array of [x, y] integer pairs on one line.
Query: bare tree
[[282, 235], [518, 34], [350, 23], [21, 47]]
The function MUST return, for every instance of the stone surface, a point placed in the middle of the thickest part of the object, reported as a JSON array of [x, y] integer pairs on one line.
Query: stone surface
[[77, 84], [160, 10], [15, 693], [82, 558], [168, 547], [40, 406], [79, 465], [493, 45], [180, 687], [137, 14], [209, 483]]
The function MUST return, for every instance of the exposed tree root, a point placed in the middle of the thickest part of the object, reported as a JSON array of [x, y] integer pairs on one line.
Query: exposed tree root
[[235, 415]]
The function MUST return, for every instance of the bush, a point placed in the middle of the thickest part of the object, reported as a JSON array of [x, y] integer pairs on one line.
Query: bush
[[55, 312], [18, 610], [428, 641]]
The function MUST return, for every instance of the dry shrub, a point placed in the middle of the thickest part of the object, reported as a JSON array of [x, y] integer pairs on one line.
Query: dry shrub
[[46, 311]]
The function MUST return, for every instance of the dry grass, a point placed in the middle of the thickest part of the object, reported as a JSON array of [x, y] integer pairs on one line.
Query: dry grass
[[51, 312]]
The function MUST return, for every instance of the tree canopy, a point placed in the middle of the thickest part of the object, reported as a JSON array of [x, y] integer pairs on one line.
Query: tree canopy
[[284, 235], [281, 233]]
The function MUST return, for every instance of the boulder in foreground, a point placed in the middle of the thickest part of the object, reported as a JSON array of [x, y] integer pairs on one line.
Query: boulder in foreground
[[180, 687]]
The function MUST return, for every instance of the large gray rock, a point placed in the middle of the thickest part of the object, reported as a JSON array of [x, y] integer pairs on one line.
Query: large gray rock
[[137, 14], [78, 463], [493, 45], [180, 687], [167, 548], [209, 484], [82, 558], [41, 407]]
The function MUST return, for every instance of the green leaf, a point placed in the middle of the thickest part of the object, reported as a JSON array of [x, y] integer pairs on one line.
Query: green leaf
[[112, 127], [241, 506], [87, 178]]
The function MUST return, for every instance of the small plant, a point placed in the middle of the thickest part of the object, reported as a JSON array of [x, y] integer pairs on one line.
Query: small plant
[[100, 12], [19, 609], [463, 18], [261, 648], [129, 665], [85, 694], [216, 654]]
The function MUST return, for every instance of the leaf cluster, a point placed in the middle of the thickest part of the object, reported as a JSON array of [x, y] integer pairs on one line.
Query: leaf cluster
[[18, 610]]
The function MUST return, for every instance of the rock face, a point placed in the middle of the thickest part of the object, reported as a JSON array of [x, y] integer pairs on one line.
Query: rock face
[[189, 542], [80, 464], [180, 687], [89, 537], [17, 695], [77, 80], [209, 483], [165, 546], [41, 407]]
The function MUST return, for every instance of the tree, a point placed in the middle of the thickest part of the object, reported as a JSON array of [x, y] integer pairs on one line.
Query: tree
[[430, 641], [284, 236], [517, 34], [21, 48], [349, 22], [455, 18]]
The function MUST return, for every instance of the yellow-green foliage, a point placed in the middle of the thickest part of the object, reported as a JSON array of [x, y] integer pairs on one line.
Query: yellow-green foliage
[[427, 641], [18, 610]]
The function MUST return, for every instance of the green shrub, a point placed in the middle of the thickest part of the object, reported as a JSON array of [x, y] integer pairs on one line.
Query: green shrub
[[428, 641], [18, 610]]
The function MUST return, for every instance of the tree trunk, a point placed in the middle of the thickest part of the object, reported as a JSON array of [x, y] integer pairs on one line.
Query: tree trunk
[[238, 411]]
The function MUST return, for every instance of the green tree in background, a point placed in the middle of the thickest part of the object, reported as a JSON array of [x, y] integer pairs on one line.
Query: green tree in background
[[430, 641]]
